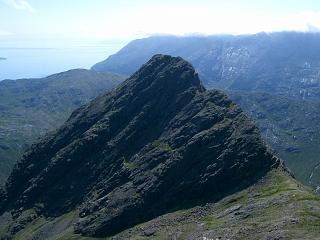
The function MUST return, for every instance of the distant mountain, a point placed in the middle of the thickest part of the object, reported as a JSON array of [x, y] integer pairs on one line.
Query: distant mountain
[[2, 59], [275, 63], [157, 143], [291, 126], [280, 70], [29, 108]]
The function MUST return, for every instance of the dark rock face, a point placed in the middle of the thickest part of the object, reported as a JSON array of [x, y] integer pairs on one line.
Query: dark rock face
[[274, 77], [158, 142]]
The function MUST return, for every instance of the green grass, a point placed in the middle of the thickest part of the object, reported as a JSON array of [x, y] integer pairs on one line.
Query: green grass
[[161, 145], [211, 221], [130, 165], [30, 229]]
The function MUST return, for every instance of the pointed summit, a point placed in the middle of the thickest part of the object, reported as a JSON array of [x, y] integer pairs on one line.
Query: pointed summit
[[162, 79], [178, 73], [157, 142]]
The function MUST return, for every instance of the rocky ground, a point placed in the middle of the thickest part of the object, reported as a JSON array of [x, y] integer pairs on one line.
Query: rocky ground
[[277, 207]]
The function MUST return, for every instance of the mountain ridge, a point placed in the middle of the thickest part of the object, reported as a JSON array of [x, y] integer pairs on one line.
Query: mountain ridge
[[157, 142]]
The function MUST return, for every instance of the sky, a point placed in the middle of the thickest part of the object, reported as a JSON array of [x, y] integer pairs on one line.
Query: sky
[[43, 21]]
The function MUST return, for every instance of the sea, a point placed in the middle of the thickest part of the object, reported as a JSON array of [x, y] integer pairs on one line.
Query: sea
[[18, 62]]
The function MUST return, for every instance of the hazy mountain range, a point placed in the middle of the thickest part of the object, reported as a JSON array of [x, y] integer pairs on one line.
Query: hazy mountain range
[[277, 63], [159, 157]]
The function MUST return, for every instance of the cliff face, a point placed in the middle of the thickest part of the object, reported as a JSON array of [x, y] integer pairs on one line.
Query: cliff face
[[158, 142]]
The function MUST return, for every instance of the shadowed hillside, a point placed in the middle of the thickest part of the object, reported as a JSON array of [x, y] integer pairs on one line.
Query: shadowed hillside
[[29, 108]]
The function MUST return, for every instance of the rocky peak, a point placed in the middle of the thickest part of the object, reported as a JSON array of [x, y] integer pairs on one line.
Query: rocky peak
[[158, 142], [167, 72]]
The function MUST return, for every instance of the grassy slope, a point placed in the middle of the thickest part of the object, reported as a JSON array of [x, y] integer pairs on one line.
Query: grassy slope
[[277, 206], [30, 108]]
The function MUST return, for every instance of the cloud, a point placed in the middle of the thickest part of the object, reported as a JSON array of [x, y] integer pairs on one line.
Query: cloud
[[4, 33], [19, 5], [160, 19], [312, 28]]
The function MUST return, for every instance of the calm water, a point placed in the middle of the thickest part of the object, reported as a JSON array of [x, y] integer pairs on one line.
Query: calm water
[[41, 62]]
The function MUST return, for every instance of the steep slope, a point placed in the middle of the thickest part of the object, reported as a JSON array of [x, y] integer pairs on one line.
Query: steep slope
[[258, 68], [158, 142], [31, 107]]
